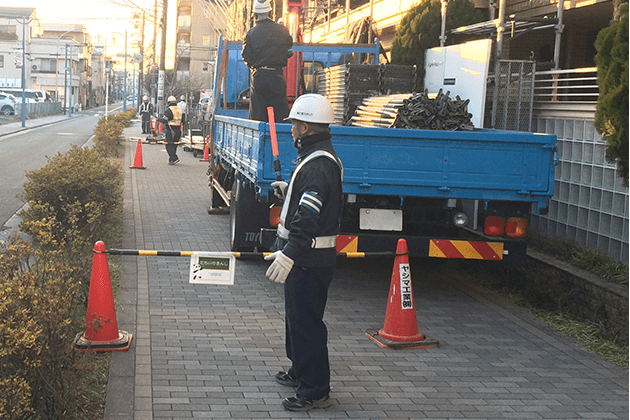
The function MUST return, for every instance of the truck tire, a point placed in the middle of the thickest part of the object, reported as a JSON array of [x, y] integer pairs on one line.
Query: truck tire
[[246, 217]]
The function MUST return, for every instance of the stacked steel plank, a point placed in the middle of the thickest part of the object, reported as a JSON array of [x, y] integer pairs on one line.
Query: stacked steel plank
[[393, 78], [346, 86], [379, 111]]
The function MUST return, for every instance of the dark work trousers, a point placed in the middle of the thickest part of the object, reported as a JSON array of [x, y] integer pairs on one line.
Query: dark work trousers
[[146, 123], [268, 88], [305, 295], [173, 134]]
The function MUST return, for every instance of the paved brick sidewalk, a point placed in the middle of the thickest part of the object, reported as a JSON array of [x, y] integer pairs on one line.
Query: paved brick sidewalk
[[210, 352]]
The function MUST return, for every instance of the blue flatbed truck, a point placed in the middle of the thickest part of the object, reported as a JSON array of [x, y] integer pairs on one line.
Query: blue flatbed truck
[[450, 194]]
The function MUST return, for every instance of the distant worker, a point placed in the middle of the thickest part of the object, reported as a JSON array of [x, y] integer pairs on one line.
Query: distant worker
[[182, 105], [305, 253], [266, 49], [146, 111], [172, 119]]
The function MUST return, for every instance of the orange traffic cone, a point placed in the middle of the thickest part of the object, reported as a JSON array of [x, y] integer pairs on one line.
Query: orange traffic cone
[[401, 326], [137, 161], [101, 332], [206, 156]]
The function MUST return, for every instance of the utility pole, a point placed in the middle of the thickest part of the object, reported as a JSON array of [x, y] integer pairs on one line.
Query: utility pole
[[155, 22], [140, 91], [161, 74], [163, 48]]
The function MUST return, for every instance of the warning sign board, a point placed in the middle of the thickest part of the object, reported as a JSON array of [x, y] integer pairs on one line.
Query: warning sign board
[[212, 268]]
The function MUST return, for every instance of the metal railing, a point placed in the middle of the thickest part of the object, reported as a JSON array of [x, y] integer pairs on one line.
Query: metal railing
[[39, 108], [570, 93]]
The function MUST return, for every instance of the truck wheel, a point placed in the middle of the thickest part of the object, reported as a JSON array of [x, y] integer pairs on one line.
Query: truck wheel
[[246, 216]]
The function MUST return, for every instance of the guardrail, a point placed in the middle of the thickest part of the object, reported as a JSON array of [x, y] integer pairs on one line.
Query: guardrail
[[570, 93]]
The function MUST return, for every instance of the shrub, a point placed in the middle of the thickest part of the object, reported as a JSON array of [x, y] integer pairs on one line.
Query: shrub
[[40, 373], [611, 117], [109, 129], [70, 201]]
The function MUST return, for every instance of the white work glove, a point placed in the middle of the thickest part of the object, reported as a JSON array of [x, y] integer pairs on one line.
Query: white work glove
[[280, 268], [279, 189]]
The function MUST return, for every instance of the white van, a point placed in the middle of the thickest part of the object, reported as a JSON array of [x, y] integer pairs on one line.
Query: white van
[[30, 95]]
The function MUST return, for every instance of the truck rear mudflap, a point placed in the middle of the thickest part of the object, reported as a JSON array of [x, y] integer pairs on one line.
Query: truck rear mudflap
[[424, 247]]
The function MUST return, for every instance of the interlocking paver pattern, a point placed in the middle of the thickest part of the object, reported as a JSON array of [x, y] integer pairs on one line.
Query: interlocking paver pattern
[[210, 352]]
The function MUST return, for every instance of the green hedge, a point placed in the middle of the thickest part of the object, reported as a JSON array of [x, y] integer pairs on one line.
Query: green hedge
[[72, 203]]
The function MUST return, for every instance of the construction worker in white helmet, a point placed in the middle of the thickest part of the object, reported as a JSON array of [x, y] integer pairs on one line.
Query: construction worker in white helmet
[[146, 111], [266, 49], [172, 120], [304, 253], [182, 105]]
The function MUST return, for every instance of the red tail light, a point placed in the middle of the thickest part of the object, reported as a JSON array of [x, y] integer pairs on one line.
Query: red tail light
[[494, 226], [516, 227], [274, 215]]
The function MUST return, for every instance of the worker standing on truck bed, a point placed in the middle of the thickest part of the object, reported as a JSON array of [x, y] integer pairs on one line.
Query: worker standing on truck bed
[[305, 250], [266, 49], [172, 119]]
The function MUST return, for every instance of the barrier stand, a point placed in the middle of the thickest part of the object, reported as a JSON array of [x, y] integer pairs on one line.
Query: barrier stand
[[101, 332], [401, 326]]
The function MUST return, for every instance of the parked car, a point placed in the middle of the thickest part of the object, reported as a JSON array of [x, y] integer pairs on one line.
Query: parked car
[[7, 103]]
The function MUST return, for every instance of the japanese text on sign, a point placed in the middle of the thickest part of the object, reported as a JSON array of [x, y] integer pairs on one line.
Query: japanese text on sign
[[406, 299]]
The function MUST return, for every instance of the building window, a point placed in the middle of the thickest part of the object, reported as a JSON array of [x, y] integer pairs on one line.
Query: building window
[[206, 40], [49, 65], [184, 21], [1, 61], [7, 32]]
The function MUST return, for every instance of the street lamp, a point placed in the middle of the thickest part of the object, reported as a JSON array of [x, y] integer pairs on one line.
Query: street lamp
[[24, 22], [57, 65], [71, 47]]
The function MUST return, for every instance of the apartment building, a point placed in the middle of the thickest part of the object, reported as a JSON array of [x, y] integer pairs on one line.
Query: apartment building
[[17, 27], [198, 30], [58, 58]]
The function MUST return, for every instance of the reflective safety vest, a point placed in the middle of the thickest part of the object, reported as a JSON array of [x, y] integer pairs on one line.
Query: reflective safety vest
[[177, 116], [283, 232]]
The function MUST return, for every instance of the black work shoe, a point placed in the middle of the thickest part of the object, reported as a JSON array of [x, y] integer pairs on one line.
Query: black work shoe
[[298, 403], [283, 378]]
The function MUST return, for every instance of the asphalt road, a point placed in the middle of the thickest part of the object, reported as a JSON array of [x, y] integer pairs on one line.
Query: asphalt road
[[27, 150]]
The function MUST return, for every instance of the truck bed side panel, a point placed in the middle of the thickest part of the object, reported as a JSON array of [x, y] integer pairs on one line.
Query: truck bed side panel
[[484, 164]]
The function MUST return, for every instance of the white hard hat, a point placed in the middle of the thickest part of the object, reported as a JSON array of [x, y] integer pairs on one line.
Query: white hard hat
[[312, 108], [145, 98], [261, 6], [171, 99]]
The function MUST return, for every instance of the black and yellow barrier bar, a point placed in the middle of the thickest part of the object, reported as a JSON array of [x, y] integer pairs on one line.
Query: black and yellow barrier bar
[[242, 255]]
